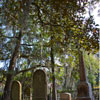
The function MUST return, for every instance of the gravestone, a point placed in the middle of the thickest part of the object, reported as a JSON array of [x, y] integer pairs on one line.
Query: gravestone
[[84, 88], [16, 90], [65, 96], [27, 92], [39, 85]]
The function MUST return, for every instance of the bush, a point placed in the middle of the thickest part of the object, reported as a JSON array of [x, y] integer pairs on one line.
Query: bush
[[1, 93]]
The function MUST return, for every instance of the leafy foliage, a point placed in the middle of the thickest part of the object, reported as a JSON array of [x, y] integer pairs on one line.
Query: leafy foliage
[[40, 20]]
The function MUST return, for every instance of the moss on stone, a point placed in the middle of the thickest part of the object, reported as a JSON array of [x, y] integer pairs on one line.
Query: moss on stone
[[16, 90]]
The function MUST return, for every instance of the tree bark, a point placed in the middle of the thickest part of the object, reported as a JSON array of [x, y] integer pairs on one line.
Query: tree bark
[[65, 77], [53, 74], [7, 89]]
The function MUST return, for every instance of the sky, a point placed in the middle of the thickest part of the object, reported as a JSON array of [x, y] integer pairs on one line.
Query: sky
[[95, 14], [1, 64]]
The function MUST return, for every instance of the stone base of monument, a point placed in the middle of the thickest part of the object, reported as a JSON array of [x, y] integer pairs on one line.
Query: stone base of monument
[[83, 98], [65, 96], [84, 91]]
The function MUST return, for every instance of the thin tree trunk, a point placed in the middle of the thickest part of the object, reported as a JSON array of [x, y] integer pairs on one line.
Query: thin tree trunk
[[53, 74], [7, 89], [65, 77]]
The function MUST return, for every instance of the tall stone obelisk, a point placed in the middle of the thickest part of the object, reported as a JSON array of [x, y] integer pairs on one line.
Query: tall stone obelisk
[[84, 88]]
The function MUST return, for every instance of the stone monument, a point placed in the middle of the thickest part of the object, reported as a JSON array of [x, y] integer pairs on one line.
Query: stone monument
[[65, 96], [27, 92], [16, 90], [84, 88], [39, 85]]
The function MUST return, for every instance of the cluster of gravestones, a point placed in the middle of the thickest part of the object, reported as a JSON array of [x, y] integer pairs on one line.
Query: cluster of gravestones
[[40, 87]]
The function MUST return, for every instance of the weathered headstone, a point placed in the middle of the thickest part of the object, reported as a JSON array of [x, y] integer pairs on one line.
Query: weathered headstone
[[39, 85], [84, 88], [65, 96], [27, 92], [16, 90]]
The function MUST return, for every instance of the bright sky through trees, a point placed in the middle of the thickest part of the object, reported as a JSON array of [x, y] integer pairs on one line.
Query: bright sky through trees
[[96, 15]]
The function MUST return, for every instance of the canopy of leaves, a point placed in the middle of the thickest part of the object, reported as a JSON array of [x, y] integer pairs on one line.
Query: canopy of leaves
[[40, 20]]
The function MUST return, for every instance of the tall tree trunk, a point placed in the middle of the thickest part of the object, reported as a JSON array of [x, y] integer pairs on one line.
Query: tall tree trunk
[[7, 89], [65, 77], [53, 74]]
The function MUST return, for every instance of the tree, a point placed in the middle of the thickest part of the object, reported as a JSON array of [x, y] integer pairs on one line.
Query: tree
[[11, 68], [92, 65]]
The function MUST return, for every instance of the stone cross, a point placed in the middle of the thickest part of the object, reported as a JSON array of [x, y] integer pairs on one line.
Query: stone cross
[[39, 85], [16, 90], [84, 88]]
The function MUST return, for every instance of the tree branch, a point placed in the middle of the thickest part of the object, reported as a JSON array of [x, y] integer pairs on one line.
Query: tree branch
[[41, 21], [4, 36], [32, 68]]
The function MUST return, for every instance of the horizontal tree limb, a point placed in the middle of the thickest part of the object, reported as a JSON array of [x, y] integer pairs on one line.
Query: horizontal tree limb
[[28, 69]]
